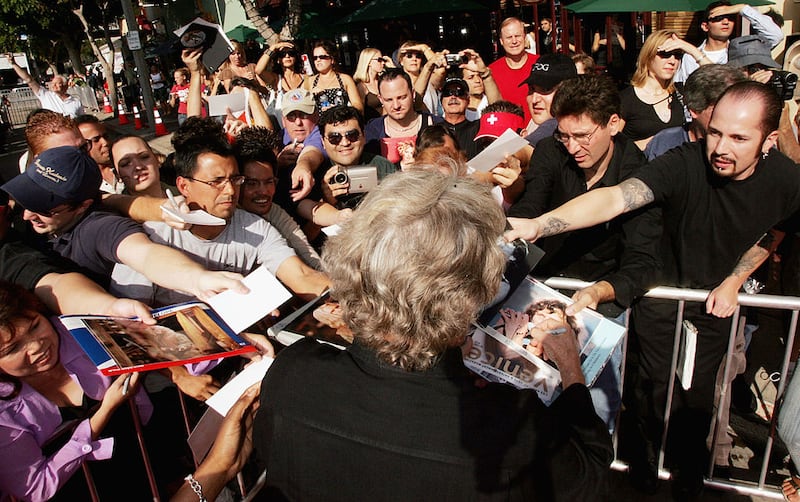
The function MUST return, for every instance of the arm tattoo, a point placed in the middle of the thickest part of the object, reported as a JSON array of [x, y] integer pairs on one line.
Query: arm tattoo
[[636, 194], [553, 226], [750, 261]]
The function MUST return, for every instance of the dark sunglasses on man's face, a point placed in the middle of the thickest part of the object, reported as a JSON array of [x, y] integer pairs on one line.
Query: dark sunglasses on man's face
[[719, 19], [323, 57], [352, 136], [454, 91]]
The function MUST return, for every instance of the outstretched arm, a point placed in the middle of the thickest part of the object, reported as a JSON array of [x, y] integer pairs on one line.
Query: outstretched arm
[[596, 206], [24, 75]]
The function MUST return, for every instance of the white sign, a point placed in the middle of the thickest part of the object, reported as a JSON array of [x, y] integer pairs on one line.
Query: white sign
[[134, 43]]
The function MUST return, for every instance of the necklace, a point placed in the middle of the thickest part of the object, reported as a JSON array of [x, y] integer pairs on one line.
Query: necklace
[[391, 124]]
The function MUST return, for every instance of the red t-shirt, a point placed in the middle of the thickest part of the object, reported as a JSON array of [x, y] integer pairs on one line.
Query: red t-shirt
[[508, 81]]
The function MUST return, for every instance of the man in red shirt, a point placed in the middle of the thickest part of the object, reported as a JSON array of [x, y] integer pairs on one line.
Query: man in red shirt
[[513, 68]]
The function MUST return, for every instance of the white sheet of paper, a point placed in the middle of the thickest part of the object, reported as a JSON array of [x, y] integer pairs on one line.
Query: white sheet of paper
[[224, 398], [508, 143], [241, 311], [331, 230], [196, 217], [234, 101]]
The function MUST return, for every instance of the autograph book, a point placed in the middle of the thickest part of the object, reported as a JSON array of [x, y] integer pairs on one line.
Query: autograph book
[[185, 333], [509, 357]]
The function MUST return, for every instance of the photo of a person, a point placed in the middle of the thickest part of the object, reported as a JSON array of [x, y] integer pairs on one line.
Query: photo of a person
[[540, 319]]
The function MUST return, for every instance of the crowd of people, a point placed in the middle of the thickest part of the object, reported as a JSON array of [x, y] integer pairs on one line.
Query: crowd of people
[[370, 187]]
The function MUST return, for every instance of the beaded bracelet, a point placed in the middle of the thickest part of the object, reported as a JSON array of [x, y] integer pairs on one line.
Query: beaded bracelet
[[196, 487]]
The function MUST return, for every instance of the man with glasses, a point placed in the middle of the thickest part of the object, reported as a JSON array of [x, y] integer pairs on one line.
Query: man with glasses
[[209, 179], [584, 153], [515, 65], [301, 157], [719, 198], [257, 160], [718, 23], [343, 132], [96, 134], [58, 192], [455, 99]]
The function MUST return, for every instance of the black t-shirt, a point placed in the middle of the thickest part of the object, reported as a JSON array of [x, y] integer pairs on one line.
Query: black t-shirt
[[641, 119], [22, 264], [711, 221], [621, 252], [465, 133], [92, 243]]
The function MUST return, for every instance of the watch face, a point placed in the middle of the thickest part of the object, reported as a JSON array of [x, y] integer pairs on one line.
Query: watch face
[[193, 38]]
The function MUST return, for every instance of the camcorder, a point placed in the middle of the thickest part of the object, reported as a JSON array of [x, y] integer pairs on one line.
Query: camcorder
[[362, 179], [784, 83]]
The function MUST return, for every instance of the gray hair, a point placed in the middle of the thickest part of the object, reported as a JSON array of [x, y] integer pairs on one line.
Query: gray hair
[[415, 264]]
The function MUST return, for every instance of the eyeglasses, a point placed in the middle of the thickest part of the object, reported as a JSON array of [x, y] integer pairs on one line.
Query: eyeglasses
[[220, 183], [86, 146], [454, 91], [97, 138], [677, 54], [719, 19], [582, 139], [412, 54], [335, 138], [252, 183], [323, 57]]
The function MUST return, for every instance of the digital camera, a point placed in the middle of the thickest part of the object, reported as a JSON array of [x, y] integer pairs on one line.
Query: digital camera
[[361, 178], [454, 59], [784, 83]]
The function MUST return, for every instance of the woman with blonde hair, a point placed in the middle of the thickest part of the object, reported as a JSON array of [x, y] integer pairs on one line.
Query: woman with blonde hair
[[652, 103], [370, 62]]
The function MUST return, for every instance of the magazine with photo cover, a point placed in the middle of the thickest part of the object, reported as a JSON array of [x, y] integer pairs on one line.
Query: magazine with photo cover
[[184, 333], [320, 318], [514, 359]]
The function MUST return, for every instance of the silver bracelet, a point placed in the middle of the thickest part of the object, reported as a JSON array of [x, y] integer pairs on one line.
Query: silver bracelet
[[196, 487]]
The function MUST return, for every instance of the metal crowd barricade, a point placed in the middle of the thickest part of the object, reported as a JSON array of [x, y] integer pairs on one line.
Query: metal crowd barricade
[[682, 296]]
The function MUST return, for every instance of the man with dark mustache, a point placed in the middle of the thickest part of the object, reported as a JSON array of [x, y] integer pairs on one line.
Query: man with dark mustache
[[719, 198]]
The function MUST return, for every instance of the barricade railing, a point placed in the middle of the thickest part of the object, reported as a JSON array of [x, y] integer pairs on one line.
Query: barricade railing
[[681, 296]]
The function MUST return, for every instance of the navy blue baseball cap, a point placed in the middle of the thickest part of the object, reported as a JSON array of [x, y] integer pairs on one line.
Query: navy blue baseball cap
[[61, 175]]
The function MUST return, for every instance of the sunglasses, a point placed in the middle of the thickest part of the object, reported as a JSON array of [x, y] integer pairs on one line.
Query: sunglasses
[[322, 57], [412, 54], [719, 19], [380, 60], [283, 54], [454, 91], [677, 54], [335, 138]]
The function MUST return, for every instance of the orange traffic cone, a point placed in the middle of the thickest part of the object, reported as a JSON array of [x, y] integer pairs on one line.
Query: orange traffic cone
[[137, 119], [161, 129], [107, 105], [123, 117]]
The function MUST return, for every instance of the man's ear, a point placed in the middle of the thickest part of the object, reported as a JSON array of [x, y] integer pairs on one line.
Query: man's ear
[[613, 125], [769, 142], [183, 185], [704, 26]]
